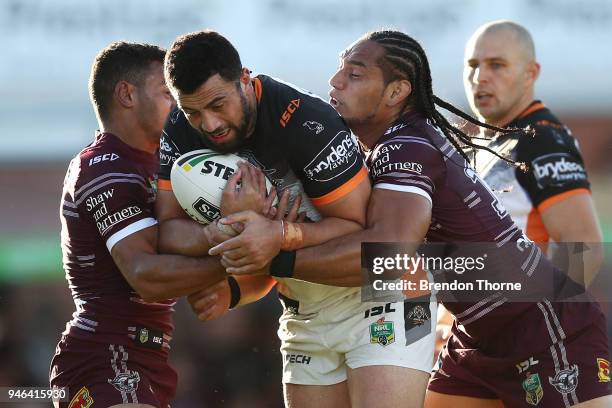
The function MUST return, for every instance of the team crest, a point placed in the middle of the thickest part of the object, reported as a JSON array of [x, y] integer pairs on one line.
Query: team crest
[[419, 315], [126, 382], [382, 332], [604, 370], [533, 389], [565, 381], [314, 126], [82, 399]]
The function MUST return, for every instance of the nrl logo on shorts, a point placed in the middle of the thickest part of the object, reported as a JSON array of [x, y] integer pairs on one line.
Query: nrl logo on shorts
[[565, 381], [144, 335], [382, 332], [533, 389], [126, 382], [419, 315]]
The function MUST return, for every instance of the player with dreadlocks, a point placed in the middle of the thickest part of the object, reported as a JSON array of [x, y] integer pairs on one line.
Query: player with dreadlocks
[[425, 190]]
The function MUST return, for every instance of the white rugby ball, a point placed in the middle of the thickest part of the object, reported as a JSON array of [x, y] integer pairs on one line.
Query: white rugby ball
[[198, 179]]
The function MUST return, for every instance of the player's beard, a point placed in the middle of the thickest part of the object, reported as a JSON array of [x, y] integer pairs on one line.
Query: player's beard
[[241, 131]]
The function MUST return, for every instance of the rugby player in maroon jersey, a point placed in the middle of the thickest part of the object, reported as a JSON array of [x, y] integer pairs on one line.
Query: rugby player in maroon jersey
[[424, 188], [114, 351]]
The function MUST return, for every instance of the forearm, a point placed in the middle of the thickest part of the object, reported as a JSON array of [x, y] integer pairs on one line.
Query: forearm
[[160, 277], [325, 230], [181, 236], [254, 287], [338, 262]]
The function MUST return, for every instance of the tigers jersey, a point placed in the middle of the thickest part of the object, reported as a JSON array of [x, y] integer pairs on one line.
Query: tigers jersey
[[555, 169], [299, 142]]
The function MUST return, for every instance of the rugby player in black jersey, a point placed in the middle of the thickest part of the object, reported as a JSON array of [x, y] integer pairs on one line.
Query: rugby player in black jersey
[[330, 357], [424, 188]]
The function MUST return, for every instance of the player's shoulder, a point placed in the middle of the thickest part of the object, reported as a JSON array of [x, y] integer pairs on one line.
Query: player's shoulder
[[413, 131], [284, 102], [104, 157], [550, 135]]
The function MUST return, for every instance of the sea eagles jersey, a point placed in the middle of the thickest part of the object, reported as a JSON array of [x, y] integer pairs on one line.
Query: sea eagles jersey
[[108, 194], [300, 143], [414, 156], [555, 169]]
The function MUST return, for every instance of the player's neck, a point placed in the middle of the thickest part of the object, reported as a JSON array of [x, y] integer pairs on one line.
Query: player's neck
[[515, 112], [369, 132], [130, 133]]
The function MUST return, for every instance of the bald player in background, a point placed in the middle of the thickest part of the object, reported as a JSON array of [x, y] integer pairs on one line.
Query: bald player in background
[[551, 201]]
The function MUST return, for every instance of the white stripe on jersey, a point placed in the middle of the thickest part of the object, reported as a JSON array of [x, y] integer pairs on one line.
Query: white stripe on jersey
[[107, 175], [111, 181], [404, 189], [129, 230]]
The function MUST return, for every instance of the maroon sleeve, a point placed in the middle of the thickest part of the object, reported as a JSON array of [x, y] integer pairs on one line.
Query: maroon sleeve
[[116, 198], [408, 164]]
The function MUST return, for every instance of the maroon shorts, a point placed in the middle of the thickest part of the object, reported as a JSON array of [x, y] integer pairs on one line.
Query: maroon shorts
[[101, 375], [552, 367]]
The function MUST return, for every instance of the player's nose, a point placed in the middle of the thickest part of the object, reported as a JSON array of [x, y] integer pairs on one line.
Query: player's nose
[[211, 122]]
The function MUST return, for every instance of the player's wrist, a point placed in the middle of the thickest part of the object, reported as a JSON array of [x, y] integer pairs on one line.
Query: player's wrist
[[292, 236], [235, 294]]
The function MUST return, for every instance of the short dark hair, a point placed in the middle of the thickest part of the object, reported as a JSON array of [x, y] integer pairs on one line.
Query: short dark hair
[[195, 57], [120, 61]]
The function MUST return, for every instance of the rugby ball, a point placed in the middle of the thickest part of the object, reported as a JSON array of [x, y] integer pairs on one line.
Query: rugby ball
[[198, 179]]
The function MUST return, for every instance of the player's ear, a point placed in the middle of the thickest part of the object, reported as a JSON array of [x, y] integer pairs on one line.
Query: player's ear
[[533, 71], [125, 94], [398, 91], [245, 77]]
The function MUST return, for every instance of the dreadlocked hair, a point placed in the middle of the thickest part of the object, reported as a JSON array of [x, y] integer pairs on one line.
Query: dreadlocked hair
[[408, 59]]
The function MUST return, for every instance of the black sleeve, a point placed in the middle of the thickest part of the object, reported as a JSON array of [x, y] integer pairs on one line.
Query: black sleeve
[[177, 138], [322, 151], [555, 164]]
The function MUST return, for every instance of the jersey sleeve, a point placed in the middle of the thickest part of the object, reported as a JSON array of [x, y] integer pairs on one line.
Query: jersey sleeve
[[408, 164], [169, 142], [321, 149], [117, 201], [556, 168]]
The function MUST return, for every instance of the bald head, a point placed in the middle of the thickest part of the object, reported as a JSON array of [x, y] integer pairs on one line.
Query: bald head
[[500, 71], [516, 34]]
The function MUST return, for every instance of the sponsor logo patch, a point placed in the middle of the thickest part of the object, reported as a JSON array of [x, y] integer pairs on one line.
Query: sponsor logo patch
[[206, 209], [103, 157], [334, 159], [105, 224], [82, 399], [382, 332], [565, 381], [533, 389], [298, 359], [126, 382], [524, 365], [291, 108], [603, 367], [557, 169]]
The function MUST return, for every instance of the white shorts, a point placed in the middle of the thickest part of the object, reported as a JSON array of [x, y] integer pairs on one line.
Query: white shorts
[[318, 345]]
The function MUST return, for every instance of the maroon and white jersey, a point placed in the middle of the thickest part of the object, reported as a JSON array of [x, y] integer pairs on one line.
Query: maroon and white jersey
[[414, 156], [109, 192]]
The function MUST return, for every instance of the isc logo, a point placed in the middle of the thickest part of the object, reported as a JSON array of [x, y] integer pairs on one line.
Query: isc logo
[[220, 170], [286, 116], [377, 310], [103, 157]]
